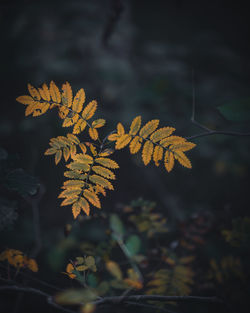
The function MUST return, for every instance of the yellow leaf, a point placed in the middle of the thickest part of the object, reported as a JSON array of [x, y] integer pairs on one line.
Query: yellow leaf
[[103, 172], [83, 158], [96, 179], [81, 268], [93, 133], [69, 192], [78, 166], [113, 137], [120, 129], [92, 198], [72, 150], [40, 109], [79, 99], [93, 150], [67, 94], [70, 268], [114, 269], [133, 279], [107, 162], [76, 209], [123, 141], [83, 147], [172, 140], [30, 109], [89, 110], [33, 92], [182, 158], [79, 126], [68, 121], [63, 112], [88, 308], [98, 123], [84, 205], [135, 145], [50, 151], [44, 92], [69, 200], [147, 152], [90, 261], [161, 133], [73, 184], [135, 125], [79, 260], [63, 141], [106, 152], [32, 265], [58, 156], [66, 153], [147, 129], [185, 146], [54, 92], [75, 175], [169, 161], [26, 100], [55, 143], [158, 155], [133, 283], [100, 189], [73, 139]]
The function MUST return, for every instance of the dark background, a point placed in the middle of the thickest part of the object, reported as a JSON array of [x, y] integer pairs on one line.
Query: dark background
[[134, 58]]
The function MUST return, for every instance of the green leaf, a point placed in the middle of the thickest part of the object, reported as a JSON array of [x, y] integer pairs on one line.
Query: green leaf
[[79, 276], [133, 244], [236, 111], [116, 225], [92, 280]]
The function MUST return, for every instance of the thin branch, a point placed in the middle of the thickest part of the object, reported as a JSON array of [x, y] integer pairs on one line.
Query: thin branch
[[159, 298], [41, 282], [38, 292], [156, 308], [208, 131], [218, 132], [127, 254], [114, 16], [113, 300]]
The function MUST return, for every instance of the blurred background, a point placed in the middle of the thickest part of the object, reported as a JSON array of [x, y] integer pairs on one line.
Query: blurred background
[[134, 58]]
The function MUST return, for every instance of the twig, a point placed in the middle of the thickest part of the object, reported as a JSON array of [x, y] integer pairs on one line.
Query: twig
[[208, 131], [139, 298], [115, 13], [156, 308], [37, 292], [115, 299], [29, 277], [218, 132], [132, 262]]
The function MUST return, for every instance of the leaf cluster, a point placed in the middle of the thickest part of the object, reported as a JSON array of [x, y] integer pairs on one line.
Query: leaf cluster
[[155, 143], [90, 170], [18, 259]]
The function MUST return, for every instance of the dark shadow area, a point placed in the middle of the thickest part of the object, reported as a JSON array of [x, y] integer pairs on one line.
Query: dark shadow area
[[146, 58]]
